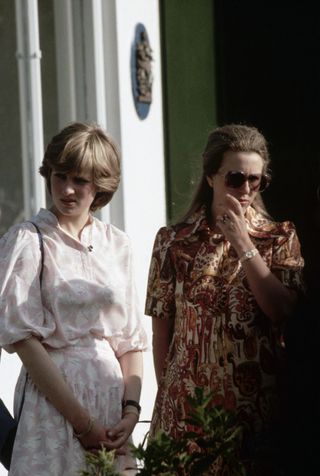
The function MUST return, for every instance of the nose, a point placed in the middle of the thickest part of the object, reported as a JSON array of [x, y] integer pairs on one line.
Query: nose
[[245, 188], [68, 187]]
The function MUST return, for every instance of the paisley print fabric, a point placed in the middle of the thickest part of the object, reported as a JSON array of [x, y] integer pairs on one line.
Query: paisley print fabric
[[222, 341], [86, 314]]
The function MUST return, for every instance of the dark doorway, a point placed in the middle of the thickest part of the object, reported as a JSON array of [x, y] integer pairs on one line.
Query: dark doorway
[[268, 75]]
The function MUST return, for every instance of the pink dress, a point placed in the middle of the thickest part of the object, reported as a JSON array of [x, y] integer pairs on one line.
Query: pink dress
[[86, 314]]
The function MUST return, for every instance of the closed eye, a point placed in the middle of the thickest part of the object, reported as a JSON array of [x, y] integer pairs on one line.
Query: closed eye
[[81, 180]]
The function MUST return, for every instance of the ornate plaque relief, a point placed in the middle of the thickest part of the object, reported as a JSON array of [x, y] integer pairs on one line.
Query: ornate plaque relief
[[141, 71]]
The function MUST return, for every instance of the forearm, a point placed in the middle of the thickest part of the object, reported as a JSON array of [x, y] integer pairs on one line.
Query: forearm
[[49, 380], [162, 336], [275, 300], [160, 353], [132, 371]]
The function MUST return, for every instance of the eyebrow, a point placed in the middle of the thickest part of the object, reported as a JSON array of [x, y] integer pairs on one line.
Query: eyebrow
[[242, 172]]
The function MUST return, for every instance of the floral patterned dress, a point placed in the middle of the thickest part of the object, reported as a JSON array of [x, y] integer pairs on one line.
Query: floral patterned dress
[[86, 315], [222, 341]]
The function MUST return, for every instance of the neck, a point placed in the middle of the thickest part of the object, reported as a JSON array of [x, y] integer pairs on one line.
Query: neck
[[72, 225]]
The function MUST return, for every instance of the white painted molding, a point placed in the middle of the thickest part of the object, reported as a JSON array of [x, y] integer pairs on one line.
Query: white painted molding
[[30, 94]]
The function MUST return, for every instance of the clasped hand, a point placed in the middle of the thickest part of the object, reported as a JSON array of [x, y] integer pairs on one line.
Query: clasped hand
[[110, 438]]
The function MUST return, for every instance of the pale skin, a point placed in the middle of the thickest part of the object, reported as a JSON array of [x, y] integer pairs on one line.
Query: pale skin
[[72, 196], [228, 213]]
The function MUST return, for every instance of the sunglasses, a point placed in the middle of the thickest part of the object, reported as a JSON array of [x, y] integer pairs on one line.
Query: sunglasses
[[236, 178]]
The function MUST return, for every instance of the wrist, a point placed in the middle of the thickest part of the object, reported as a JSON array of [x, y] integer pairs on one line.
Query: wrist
[[126, 404], [241, 248], [132, 408], [83, 430], [248, 254], [131, 413]]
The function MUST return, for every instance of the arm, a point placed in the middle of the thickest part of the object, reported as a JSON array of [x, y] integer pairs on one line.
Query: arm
[[48, 379], [132, 370], [162, 332], [274, 298]]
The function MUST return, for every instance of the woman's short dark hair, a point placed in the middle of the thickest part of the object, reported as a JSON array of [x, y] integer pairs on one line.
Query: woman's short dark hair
[[85, 148]]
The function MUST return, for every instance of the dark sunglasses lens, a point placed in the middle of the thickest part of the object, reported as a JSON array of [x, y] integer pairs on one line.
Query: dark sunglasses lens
[[235, 179]]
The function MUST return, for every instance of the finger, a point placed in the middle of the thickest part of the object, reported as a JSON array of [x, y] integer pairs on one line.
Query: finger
[[116, 433], [117, 443], [234, 204], [239, 220], [116, 430], [233, 216], [222, 219], [110, 445], [121, 451]]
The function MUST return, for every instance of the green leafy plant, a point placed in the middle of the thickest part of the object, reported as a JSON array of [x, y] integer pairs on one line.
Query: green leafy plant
[[161, 456], [214, 441], [100, 464], [217, 436]]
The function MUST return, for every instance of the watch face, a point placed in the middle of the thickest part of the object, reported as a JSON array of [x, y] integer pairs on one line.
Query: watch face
[[248, 254]]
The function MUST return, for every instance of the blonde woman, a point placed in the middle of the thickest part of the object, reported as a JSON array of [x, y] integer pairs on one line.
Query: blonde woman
[[222, 283]]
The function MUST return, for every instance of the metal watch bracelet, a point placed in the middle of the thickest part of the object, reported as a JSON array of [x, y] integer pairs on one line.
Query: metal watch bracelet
[[248, 255]]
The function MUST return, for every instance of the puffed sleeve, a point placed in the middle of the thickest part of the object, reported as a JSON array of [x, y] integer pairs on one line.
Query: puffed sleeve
[[287, 262], [160, 300], [133, 336], [21, 312]]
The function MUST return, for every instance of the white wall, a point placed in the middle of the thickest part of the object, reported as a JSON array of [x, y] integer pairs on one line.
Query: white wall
[[143, 164]]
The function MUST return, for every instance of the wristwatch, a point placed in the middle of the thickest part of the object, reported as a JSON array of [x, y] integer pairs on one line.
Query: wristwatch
[[248, 255]]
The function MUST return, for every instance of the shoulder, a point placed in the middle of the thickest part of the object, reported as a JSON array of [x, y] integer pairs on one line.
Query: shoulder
[[166, 236], [20, 240], [112, 234], [118, 236], [166, 233], [24, 232], [184, 231], [265, 227]]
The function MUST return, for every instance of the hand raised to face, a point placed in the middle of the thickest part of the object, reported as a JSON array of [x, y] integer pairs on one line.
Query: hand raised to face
[[233, 224]]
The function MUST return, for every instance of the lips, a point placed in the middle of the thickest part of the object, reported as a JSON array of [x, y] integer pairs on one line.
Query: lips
[[67, 202], [243, 202]]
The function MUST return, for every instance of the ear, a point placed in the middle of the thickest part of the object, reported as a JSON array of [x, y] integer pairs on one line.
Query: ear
[[210, 181]]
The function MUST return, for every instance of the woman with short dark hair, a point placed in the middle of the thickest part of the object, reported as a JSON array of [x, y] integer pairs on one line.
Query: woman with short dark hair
[[78, 332]]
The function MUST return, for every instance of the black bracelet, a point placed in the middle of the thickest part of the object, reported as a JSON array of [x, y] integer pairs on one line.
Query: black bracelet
[[131, 403]]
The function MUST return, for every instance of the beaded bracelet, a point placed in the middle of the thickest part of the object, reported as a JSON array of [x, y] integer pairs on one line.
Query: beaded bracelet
[[131, 403], [85, 432]]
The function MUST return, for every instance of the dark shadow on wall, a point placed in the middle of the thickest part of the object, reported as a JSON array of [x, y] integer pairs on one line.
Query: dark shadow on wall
[[268, 75]]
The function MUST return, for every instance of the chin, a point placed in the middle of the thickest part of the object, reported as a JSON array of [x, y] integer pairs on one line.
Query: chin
[[66, 212], [244, 206]]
